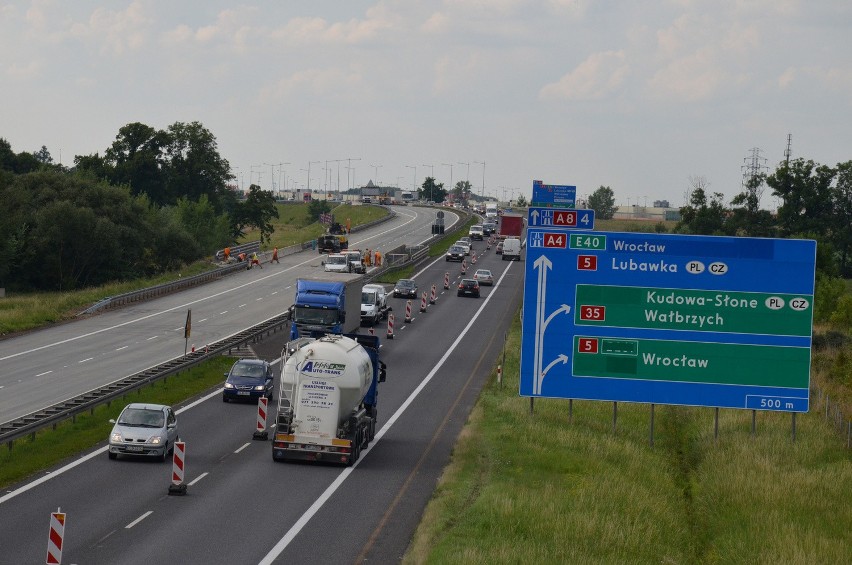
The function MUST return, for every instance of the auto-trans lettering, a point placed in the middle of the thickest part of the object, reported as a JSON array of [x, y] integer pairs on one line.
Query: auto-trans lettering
[[643, 266], [323, 368]]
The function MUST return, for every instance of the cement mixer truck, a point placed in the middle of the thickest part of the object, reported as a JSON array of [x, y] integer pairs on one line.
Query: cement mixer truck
[[327, 398]]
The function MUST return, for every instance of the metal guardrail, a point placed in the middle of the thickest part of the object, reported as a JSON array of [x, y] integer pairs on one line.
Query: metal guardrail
[[31, 423]]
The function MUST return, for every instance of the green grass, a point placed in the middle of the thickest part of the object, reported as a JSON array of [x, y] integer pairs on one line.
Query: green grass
[[535, 488], [25, 311], [51, 447]]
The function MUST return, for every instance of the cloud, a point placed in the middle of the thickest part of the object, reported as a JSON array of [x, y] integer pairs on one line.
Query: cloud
[[311, 31], [316, 82], [596, 77], [116, 31]]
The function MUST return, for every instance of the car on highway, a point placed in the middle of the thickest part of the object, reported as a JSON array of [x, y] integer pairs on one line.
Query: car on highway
[[456, 253], [484, 277], [476, 232], [147, 430], [248, 379], [469, 287], [489, 228], [499, 250], [464, 244], [405, 288]]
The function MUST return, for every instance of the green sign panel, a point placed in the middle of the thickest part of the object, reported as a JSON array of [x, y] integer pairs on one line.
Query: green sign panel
[[697, 362], [587, 241], [694, 310]]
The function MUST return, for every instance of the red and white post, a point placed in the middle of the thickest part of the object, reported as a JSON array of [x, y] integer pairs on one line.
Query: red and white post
[[56, 536], [434, 296], [390, 326], [473, 259], [260, 430], [446, 281], [408, 312], [464, 266], [178, 486], [423, 302]]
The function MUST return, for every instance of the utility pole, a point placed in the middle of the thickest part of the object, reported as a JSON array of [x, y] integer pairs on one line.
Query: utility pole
[[309, 173], [451, 174], [376, 170], [414, 178]]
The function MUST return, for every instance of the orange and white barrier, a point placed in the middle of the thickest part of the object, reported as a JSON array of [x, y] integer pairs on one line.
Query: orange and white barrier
[[464, 266], [473, 259], [390, 326], [446, 281], [408, 312], [260, 431], [56, 537], [434, 295], [423, 302], [178, 486]]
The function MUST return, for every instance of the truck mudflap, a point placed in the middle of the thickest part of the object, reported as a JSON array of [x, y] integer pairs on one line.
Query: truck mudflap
[[287, 447]]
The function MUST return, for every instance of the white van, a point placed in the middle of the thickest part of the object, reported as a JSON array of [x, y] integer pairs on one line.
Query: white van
[[337, 263], [511, 249]]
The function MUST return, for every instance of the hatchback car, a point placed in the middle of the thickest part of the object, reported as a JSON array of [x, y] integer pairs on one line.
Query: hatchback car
[[484, 277], [469, 287], [499, 250], [405, 288], [456, 253], [248, 379], [148, 430], [463, 244], [489, 228]]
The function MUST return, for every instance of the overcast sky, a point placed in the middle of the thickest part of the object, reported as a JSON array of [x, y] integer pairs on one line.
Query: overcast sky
[[638, 95]]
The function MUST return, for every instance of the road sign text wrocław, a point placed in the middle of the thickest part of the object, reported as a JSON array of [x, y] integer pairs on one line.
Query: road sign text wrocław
[[668, 319]]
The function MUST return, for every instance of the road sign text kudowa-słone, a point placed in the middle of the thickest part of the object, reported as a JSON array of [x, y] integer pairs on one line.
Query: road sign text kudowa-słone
[[667, 319]]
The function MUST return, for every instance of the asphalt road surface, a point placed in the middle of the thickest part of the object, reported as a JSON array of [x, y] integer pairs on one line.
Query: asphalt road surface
[[241, 507], [52, 365]]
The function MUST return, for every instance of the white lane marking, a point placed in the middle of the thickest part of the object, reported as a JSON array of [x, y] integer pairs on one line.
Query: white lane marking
[[180, 307], [152, 337], [222, 313], [40, 375], [178, 329], [122, 347], [198, 478], [202, 320], [92, 455], [258, 299], [274, 293], [241, 305], [243, 447], [84, 360], [139, 519], [332, 488]]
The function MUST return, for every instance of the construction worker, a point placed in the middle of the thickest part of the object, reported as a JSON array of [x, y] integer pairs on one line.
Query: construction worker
[[227, 253], [368, 258], [378, 258], [255, 261], [241, 257], [275, 256]]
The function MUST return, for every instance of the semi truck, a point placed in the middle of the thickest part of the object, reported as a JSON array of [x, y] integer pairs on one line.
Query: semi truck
[[327, 303], [327, 405], [511, 226], [335, 240]]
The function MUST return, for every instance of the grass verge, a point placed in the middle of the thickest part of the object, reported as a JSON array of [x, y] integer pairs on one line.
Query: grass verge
[[542, 489], [52, 446]]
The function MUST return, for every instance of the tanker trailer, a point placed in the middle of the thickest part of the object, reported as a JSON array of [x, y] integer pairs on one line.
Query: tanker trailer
[[327, 398]]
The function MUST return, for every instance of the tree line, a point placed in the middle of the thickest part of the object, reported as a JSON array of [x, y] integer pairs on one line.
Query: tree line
[[154, 201]]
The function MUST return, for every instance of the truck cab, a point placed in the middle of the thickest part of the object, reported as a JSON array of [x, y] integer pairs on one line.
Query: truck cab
[[374, 304], [336, 263]]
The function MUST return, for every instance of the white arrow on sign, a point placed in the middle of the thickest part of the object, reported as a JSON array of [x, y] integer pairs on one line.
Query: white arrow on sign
[[534, 215], [542, 264], [561, 358]]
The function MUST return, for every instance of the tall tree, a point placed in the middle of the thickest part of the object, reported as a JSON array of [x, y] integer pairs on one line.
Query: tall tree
[[806, 189], [702, 215], [257, 211], [431, 190], [602, 201], [747, 219], [135, 159], [194, 166]]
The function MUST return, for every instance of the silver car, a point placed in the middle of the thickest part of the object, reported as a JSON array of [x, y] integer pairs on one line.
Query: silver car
[[149, 430]]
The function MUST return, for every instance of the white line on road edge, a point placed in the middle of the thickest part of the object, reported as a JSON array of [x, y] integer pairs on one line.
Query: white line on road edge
[[245, 445], [139, 519], [198, 478], [332, 488], [92, 455]]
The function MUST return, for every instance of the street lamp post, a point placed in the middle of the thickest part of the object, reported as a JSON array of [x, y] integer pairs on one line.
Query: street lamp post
[[309, 173], [451, 173], [483, 176], [432, 176], [414, 178], [376, 172]]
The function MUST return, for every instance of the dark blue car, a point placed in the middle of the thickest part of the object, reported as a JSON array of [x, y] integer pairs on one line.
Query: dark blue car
[[248, 379]]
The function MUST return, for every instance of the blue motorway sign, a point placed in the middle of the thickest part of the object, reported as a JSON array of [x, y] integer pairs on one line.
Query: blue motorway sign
[[549, 195], [668, 319], [565, 218]]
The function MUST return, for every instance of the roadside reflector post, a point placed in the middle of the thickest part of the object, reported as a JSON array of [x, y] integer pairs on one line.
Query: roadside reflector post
[[56, 537], [260, 432], [434, 295], [390, 326], [178, 487], [408, 312], [500, 375]]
